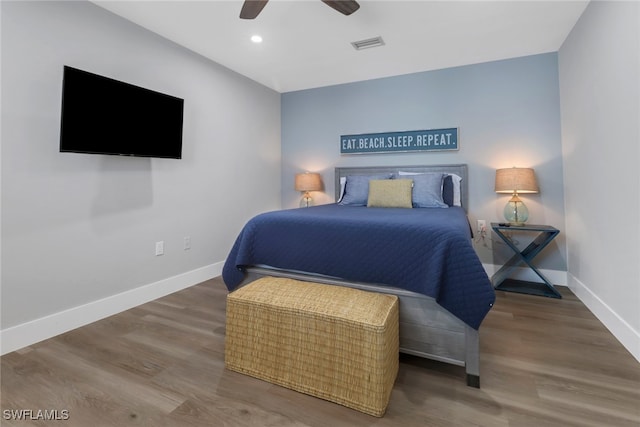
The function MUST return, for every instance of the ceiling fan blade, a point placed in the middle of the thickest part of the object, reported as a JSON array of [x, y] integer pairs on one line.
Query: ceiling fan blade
[[252, 8], [346, 7]]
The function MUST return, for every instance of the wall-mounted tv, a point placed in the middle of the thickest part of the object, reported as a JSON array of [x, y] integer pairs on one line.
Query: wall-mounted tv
[[106, 116]]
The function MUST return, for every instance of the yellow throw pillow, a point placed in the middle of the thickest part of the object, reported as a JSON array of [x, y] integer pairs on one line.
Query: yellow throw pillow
[[390, 193]]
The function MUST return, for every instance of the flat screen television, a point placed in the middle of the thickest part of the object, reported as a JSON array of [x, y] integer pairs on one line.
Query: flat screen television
[[106, 116]]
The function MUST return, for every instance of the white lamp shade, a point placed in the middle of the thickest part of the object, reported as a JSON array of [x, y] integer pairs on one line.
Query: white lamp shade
[[516, 180], [308, 182]]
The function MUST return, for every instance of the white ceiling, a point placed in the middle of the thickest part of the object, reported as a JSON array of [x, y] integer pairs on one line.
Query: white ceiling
[[307, 44]]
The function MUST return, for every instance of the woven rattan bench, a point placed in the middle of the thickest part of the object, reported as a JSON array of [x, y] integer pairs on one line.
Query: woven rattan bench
[[331, 342]]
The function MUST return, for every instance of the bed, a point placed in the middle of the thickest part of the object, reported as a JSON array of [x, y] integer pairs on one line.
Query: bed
[[423, 255]]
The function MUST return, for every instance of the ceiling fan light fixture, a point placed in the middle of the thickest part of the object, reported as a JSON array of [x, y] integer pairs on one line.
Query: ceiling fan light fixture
[[368, 43]]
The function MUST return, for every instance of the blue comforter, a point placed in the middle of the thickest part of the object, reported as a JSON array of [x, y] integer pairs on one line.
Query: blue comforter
[[426, 250]]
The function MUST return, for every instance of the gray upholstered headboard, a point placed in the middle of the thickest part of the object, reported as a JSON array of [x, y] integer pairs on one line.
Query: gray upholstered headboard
[[460, 170]]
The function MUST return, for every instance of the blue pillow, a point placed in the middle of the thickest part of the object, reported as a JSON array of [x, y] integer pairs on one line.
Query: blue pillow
[[356, 189], [447, 190], [427, 191]]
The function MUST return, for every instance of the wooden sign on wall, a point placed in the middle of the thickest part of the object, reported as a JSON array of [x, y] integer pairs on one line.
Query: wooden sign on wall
[[398, 142]]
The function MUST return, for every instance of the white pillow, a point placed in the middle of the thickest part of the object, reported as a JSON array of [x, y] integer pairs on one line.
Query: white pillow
[[456, 189], [343, 181]]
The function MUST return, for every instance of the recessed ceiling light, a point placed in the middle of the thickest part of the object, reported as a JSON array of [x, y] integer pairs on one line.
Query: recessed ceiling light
[[256, 39]]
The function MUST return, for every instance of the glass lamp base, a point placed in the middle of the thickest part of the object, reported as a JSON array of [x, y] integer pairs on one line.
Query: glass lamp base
[[306, 201], [515, 212]]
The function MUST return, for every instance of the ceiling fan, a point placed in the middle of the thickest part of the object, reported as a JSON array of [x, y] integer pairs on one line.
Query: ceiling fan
[[252, 8]]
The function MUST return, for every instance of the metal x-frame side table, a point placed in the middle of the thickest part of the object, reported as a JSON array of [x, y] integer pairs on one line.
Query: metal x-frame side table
[[500, 279]]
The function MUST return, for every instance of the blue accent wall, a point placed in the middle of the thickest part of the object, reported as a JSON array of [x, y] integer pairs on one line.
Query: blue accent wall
[[507, 112]]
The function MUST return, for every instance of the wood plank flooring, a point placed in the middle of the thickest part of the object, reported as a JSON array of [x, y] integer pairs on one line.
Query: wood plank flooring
[[544, 362]]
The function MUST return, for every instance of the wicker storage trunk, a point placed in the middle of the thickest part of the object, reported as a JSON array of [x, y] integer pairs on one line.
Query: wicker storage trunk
[[332, 342]]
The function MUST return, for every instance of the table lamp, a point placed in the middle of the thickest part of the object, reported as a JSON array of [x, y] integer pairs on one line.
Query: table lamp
[[306, 182], [516, 181]]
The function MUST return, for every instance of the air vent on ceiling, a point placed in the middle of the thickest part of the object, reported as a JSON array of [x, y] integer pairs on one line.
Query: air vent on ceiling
[[366, 44]]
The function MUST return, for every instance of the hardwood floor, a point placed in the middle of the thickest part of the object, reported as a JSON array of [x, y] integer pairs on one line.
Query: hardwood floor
[[544, 362]]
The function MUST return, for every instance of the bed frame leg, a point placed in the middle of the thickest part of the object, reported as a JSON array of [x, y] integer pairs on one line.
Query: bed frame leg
[[472, 356], [473, 380]]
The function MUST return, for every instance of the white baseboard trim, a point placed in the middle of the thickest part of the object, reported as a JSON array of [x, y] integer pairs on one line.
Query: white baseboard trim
[[620, 329], [558, 278], [28, 333]]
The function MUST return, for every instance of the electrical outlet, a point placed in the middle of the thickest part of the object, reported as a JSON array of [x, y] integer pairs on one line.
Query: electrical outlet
[[187, 243], [481, 225], [159, 248]]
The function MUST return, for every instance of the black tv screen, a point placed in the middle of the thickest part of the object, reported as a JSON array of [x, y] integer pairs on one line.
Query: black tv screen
[[106, 116]]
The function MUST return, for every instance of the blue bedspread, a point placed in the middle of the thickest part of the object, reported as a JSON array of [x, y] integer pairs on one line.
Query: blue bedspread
[[426, 250]]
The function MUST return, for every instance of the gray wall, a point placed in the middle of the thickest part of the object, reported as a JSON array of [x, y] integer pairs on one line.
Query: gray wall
[[599, 67], [508, 114], [77, 228]]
